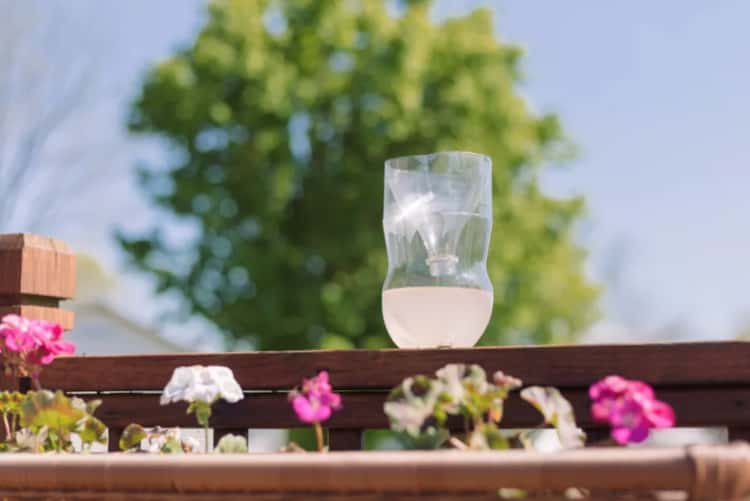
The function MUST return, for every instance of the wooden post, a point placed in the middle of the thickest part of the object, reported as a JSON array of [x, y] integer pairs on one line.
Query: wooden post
[[36, 273], [113, 439]]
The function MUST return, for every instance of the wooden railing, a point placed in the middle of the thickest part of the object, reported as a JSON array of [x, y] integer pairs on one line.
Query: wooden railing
[[702, 473], [707, 383]]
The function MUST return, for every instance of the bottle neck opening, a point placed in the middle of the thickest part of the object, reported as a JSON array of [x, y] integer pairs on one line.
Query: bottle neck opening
[[442, 265]]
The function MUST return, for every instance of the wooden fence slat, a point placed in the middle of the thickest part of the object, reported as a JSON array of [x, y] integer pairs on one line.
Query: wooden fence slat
[[680, 364], [345, 439], [255, 411], [739, 433], [114, 433]]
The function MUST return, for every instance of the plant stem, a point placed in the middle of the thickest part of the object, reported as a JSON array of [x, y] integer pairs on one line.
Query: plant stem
[[458, 444], [203, 415], [319, 436], [8, 434], [478, 421]]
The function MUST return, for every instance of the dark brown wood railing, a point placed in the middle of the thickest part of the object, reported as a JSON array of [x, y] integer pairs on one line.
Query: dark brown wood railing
[[707, 383]]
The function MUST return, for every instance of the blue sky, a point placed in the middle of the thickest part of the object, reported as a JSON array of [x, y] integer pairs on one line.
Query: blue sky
[[655, 94]]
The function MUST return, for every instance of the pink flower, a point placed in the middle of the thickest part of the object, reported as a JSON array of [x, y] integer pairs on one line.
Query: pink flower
[[628, 421], [16, 335], [49, 342], [29, 344], [630, 407], [315, 401]]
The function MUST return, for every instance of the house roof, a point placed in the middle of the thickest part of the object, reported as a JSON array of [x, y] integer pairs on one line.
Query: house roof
[[101, 309]]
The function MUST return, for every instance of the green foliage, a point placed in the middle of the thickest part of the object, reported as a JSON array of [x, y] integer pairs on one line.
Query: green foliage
[[419, 410], [304, 438], [48, 421], [279, 116], [10, 402], [488, 436], [413, 411], [45, 408], [157, 440], [231, 444], [172, 445], [132, 436], [202, 412]]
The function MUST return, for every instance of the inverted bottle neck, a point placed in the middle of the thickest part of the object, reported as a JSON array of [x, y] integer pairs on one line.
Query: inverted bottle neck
[[442, 265]]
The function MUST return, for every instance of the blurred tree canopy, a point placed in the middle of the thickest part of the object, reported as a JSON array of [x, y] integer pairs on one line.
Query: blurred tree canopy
[[281, 114]]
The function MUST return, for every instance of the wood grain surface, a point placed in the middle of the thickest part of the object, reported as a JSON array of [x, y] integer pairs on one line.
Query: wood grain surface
[[576, 366]]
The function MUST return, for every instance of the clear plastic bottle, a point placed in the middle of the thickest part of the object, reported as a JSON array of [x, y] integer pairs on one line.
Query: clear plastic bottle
[[437, 220]]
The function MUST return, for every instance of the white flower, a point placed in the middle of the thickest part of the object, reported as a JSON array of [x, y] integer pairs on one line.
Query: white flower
[[452, 378], [153, 443], [190, 444], [172, 433], [202, 384], [410, 412], [406, 416]]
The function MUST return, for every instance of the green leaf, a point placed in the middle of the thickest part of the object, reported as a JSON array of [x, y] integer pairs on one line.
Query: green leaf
[[92, 405], [202, 412], [53, 410], [132, 436], [428, 439], [231, 444], [488, 436], [557, 412], [61, 416], [466, 391], [172, 446], [10, 402], [92, 430]]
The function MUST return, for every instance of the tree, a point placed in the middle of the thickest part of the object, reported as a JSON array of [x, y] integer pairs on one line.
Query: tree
[[280, 115], [49, 92]]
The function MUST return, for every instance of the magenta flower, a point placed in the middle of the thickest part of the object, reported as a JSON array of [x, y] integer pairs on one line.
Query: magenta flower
[[630, 408], [49, 342], [315, 401], [16, 335], [29, 344]]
